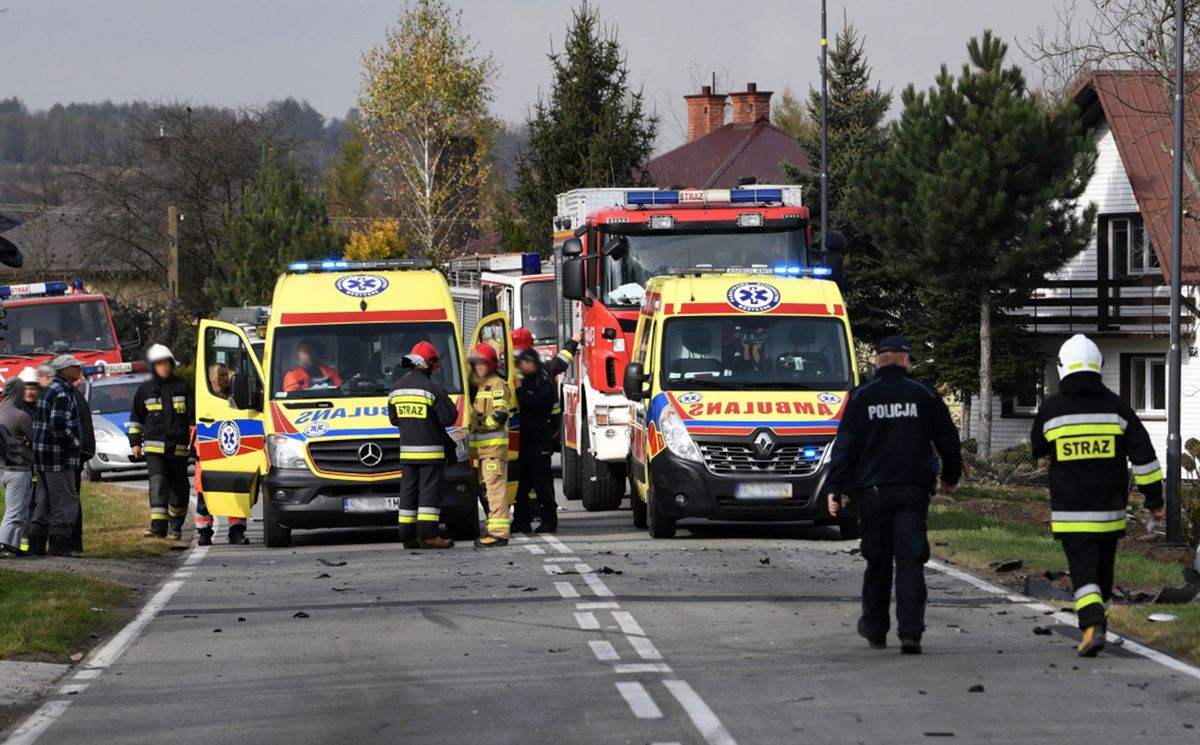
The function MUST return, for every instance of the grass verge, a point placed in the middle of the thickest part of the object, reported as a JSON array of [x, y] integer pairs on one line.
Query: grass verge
[[113, 520], [974, 541], [52, 613]]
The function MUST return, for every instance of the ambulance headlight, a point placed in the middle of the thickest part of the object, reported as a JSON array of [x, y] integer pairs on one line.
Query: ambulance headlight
[[676, 436], [286, 452]]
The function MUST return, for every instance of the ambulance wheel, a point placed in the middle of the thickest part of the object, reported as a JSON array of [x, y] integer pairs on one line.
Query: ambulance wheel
[[849, 528], [570, 474], [639, 512], [274, 534], [602, 484], [660, 525]]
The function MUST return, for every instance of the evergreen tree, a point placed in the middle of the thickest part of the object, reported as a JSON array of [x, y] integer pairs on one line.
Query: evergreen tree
[[977, 194], [278, 221], [591, 131], [856, 133], [348, 180]]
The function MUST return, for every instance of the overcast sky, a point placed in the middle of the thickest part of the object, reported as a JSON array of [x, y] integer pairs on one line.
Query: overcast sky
[[250, 51]]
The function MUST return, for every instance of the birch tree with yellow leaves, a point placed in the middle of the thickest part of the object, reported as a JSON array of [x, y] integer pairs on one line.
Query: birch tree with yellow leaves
[[424, 102]]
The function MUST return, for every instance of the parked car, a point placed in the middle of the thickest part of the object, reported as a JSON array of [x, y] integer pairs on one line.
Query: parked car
[[111, 399]]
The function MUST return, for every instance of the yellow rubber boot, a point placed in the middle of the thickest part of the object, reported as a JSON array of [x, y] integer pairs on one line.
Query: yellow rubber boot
[[1092, 642]]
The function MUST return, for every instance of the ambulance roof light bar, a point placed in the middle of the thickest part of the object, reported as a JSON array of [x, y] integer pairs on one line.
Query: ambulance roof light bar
[[817, 272], [37, 288], [752, 195], [341, 265]]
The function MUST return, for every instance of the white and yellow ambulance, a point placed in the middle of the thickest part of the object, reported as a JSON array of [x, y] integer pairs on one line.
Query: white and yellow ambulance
[[737, 381], [304, 428]]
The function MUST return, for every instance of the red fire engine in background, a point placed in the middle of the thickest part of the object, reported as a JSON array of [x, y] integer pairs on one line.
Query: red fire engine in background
[[609, 242], [42, 320]]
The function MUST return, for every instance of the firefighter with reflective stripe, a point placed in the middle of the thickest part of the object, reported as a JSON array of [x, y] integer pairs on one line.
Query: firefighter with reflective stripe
[[160, 426], [422, 410], [1089, 432], [489, 441], [555, 366]]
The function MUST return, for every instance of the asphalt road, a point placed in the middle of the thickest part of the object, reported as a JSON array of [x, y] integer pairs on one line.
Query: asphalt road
[[729, 633]]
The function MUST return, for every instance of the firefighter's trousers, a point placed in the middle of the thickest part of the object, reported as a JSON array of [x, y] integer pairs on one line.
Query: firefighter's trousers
[[168, 491], [421, 499], [493, 473], [1091, 560], [535, 477], [894, 524]]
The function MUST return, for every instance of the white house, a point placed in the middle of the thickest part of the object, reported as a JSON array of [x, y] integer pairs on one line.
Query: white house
[[1116, 290]]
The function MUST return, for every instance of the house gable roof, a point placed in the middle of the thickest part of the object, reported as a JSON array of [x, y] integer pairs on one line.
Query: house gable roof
[[734, 151]]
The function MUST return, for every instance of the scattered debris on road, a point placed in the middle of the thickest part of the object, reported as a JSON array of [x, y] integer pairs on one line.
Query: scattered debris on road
[[299, 614], [1008, 565], [977, 688]]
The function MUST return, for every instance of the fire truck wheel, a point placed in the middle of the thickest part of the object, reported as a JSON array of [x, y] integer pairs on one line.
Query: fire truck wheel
[[602, 484], [849, 528], [570, 474], [274, 534], [660, 525]]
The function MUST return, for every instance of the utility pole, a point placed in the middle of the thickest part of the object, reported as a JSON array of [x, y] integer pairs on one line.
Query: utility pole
[[1174, 528], [824, 131], [173, 252]]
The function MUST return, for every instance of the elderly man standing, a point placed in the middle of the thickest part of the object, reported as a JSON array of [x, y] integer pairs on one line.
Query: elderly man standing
[[57, 438]]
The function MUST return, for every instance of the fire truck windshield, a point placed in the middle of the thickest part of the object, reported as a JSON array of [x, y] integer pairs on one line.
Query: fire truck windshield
[[741, 352], [537, 311], [57, 326], [652, 253]]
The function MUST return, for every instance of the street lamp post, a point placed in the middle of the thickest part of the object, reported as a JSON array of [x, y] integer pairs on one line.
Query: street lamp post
[[824, 135], [1174, 528]]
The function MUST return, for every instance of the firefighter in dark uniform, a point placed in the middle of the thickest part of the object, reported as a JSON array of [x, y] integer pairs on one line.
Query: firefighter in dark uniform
[[1089, 432], [160, 426], [883, 454], [536, 396], [422, 410]]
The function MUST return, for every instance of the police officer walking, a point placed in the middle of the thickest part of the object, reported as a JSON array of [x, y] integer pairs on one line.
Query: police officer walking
[[883, 455], [1089, 432], [160, 427], [422, 410]]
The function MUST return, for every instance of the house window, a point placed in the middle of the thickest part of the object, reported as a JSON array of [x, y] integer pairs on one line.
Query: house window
[[1144, 382], [1028, 400], [1130, 246]]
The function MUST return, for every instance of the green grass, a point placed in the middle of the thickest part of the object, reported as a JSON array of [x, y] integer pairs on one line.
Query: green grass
[[113, 520], [969, 490], [1181, 636], [50, 613]]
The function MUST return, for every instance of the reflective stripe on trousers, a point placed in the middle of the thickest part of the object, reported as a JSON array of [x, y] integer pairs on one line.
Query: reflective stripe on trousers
[[1087, 521]]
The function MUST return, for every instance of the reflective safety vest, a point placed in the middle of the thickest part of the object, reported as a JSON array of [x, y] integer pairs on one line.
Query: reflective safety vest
[[1090, 434], [488, 436], [161, 417], [422, 411]]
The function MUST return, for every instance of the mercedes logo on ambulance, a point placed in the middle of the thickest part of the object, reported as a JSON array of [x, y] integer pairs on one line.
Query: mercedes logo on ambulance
[[370, 454]]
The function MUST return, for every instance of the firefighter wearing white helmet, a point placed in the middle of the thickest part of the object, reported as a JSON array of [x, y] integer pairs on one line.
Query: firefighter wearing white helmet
[[1089, 433], [160, 428]]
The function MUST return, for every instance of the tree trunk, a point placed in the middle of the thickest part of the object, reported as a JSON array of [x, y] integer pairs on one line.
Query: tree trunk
[[966, 417], [985, 373]]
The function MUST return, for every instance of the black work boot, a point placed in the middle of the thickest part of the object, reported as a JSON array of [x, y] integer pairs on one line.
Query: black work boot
[[204, 536], [37, 545], [237, 535], [910, 646], [60, 546], [875, 642], [157, 529], [1093, 641]]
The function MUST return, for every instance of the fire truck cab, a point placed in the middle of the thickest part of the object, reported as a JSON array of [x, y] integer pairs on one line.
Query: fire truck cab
[[42, 320], [514, 284], [611, 242]]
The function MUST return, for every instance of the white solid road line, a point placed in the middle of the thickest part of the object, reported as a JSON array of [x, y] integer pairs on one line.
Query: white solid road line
[[101, 658], [566, 589], [639, 700], [604, 651], [703, 717], [1066, 619]]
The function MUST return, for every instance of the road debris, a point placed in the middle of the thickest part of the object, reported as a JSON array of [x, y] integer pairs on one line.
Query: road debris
[[977, 688], [300, 614], [1162, 617], [328, 563], [1008, 565]]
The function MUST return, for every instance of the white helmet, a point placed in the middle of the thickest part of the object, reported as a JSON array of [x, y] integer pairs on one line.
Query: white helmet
[[1079, 354], [29, 376], [159, 353]]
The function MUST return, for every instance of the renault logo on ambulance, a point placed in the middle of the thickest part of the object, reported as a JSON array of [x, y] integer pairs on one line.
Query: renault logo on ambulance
[[764, 444], [370, 454]]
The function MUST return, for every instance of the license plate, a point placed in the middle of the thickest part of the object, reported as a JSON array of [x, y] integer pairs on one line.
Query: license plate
[[371, 504], [763, 490]]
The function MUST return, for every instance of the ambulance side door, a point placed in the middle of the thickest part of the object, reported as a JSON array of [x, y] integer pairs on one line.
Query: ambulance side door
[[496, 330], [643, 352], [230, 442]]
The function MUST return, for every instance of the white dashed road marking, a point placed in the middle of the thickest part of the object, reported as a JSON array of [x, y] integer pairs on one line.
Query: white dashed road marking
[[587, 621], [566, 589], [628, 623], [604, 651], [639, 700], [703, 717]]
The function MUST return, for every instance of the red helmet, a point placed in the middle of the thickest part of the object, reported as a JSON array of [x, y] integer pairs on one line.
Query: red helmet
[[426, 351], [486, 354], [521, 339]]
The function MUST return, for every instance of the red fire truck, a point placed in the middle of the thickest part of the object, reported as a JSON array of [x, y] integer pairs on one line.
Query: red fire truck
[[45, 319], [610, 242]]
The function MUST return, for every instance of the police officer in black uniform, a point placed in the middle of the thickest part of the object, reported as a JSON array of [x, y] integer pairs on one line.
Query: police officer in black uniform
[[883, 454], [536, 396]]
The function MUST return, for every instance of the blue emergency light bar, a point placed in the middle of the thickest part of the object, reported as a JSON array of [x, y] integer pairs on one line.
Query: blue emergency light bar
[[341, 265], [37, 288], [531, 263], [651, 198], [802, 271]]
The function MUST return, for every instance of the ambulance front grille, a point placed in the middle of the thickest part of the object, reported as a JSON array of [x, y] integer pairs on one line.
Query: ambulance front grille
[[343, 456], [736, 459]]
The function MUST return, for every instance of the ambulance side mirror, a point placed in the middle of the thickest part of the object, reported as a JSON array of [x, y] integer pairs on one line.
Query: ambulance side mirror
[[572, 279], [835, 242], [242, 392], [634, 384]]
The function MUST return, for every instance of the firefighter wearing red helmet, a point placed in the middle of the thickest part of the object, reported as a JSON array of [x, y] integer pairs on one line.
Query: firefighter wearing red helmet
[[489, 440], [422, 411]]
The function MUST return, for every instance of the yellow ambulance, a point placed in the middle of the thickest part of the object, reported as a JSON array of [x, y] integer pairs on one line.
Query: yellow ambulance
[[737, 381], [302, 425]]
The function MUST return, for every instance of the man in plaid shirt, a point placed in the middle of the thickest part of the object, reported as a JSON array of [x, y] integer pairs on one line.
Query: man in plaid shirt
[[57, 436]]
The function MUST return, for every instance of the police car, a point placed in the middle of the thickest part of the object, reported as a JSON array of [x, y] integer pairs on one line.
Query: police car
[[111, 399]]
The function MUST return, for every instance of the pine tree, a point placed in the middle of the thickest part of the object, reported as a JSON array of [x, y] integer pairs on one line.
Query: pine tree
[[978, 192], [856, 133], [591, 131], [349, 178]]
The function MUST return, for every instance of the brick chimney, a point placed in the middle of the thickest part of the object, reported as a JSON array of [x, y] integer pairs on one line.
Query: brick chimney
[[751, 105], [706, 112]]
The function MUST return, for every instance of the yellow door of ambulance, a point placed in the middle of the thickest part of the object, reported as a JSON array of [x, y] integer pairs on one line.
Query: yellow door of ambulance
[[495, 329], [230, 441]]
